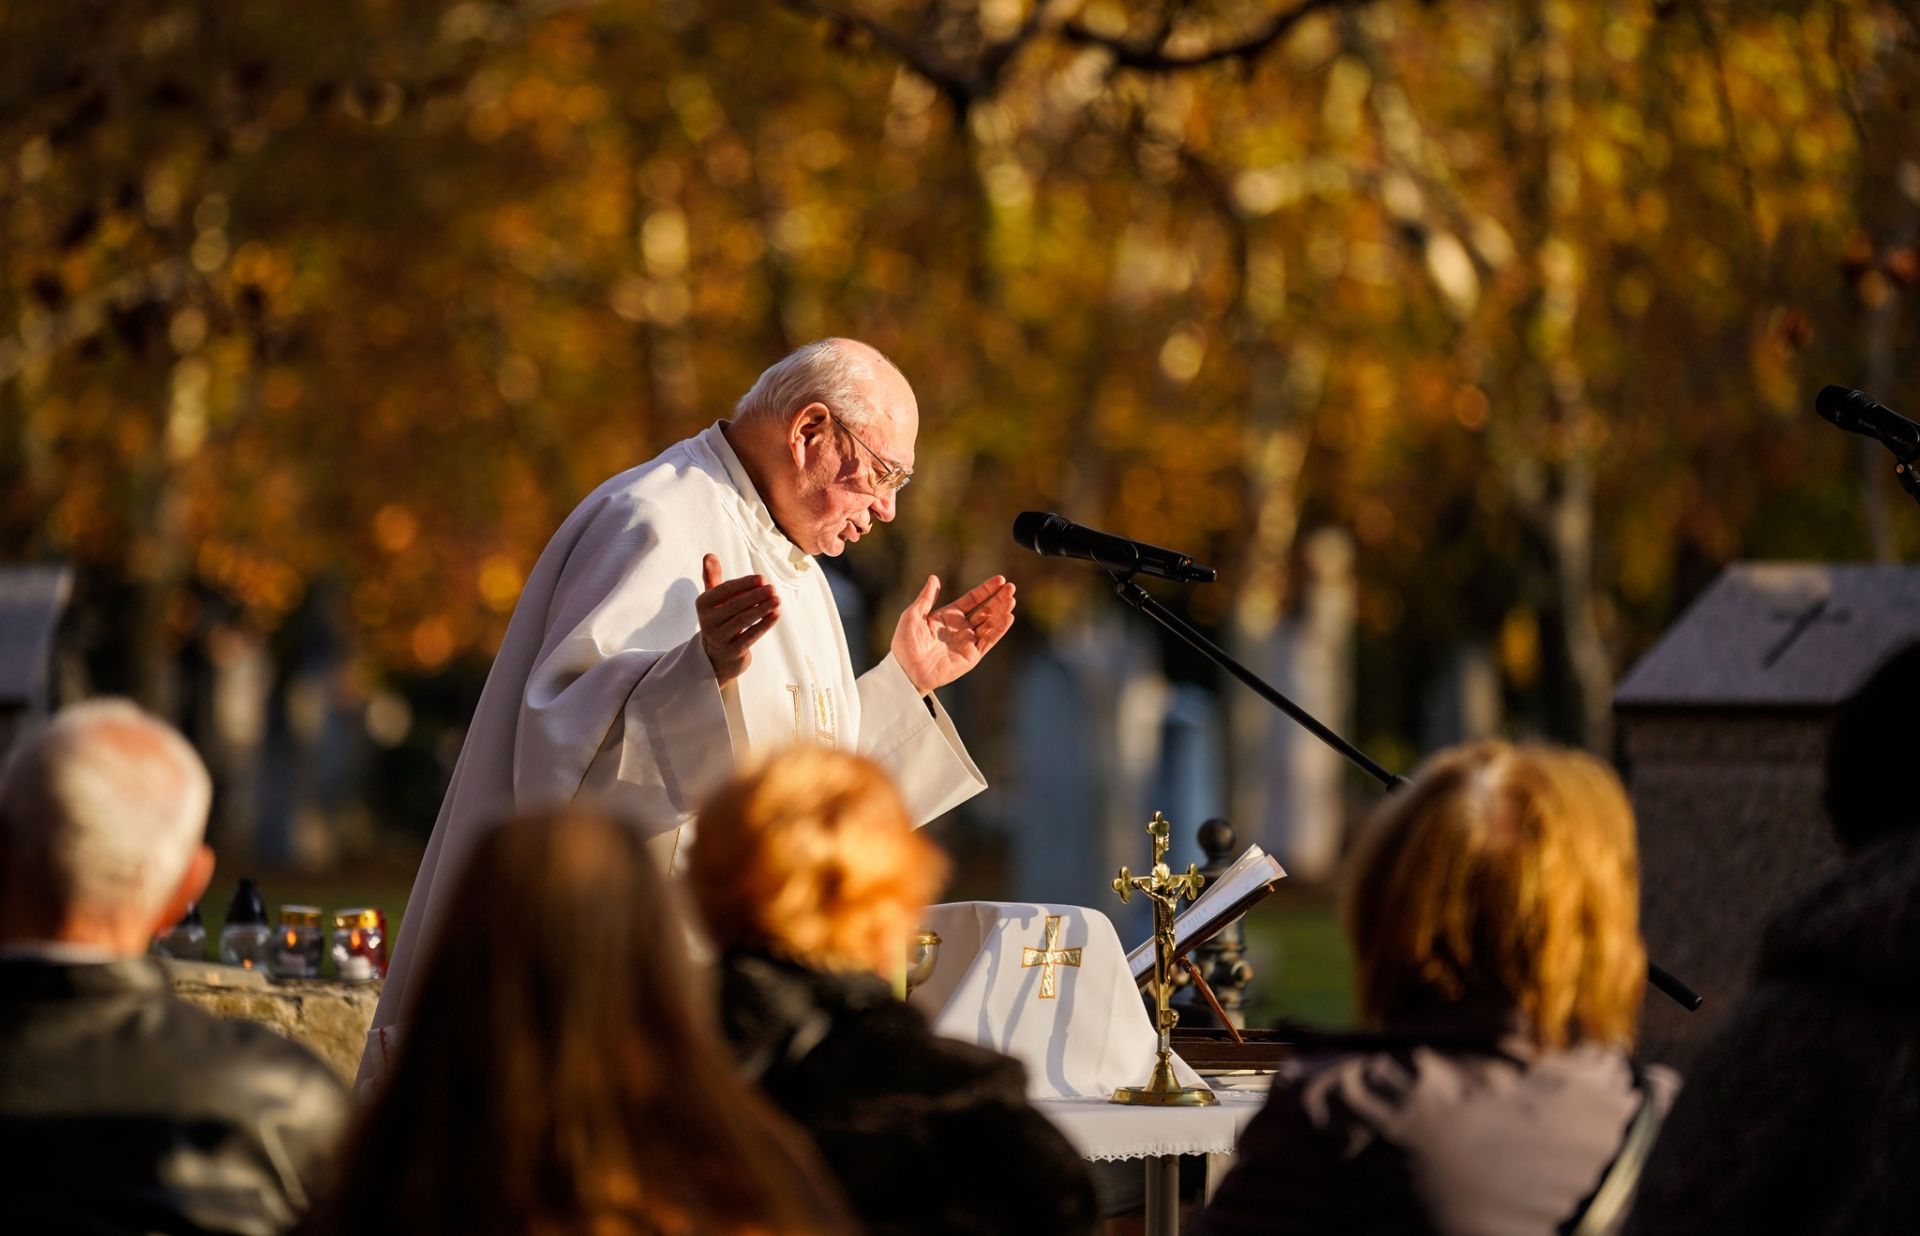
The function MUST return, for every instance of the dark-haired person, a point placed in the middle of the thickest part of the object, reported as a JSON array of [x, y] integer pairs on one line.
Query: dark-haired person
[[810, 877], [1803, 1113], [122, 1108], [1494, 914], [568, 1077]]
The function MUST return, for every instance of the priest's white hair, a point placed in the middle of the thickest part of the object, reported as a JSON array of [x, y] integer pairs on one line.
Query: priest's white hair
[[101, 811], [836, 372]]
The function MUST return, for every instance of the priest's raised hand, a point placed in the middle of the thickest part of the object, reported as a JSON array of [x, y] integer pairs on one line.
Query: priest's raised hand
[[733, 614], [936, 646]]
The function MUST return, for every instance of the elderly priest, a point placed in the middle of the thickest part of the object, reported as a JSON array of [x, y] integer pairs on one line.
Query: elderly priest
[[678, 622]]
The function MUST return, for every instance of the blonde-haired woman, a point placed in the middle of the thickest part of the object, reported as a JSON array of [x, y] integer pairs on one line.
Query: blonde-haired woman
[[1493, 910], [810, 877]]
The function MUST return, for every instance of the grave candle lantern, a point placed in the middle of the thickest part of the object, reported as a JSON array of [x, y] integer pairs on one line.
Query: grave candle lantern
[[298, 946]]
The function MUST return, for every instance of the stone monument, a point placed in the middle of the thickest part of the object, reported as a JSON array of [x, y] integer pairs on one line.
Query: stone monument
[[32, 599], [1724, 726]]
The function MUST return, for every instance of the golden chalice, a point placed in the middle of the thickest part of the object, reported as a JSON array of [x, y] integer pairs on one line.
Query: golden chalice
[[922, 954]]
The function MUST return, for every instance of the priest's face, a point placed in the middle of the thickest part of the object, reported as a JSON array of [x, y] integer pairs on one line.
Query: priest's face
[[846, 473]]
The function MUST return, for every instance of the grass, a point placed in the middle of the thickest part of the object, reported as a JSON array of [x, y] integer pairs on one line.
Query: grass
[[1303, 969]]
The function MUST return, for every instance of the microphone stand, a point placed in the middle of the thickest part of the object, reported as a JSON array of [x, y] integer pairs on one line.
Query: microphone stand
[[1133, 594], [1909, 480]]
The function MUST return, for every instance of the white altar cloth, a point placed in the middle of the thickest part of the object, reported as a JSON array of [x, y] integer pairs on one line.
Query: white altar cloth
[[1106, 1131], [1047, 985]]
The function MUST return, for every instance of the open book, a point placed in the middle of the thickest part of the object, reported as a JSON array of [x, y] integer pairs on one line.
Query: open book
[[1252, 876]]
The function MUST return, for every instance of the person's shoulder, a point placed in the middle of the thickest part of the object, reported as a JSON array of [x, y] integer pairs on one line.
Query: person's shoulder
[[243, 1060], [149, 1050], [1852, 939], [687, 469], [905, 1053], [1377, 1084], [1330, 1088], [1349, 1060], [678, 492]]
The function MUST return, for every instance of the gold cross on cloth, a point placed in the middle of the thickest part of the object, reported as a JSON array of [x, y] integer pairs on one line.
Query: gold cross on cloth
[[1049, 957]]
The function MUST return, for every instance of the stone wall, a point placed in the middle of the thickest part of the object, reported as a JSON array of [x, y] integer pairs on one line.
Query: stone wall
[[328, 1018]]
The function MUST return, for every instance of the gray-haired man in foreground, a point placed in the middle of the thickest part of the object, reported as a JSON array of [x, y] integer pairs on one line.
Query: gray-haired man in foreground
[[123, 1109]]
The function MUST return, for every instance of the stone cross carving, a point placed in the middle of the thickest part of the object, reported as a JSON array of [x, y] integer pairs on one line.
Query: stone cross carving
[[1799, 624], [1049, 957]]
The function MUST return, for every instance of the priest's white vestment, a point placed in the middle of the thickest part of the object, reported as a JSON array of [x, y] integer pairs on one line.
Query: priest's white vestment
[[602, 691]]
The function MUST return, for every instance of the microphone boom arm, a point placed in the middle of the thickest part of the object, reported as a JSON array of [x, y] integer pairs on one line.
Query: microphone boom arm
[[1133, 594]]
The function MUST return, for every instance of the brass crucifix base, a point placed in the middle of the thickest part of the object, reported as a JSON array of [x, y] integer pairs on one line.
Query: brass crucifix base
[[1163, 1089]]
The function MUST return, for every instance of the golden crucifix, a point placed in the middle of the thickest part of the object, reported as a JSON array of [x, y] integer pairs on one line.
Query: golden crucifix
[[1164, 890], [1049, 957]]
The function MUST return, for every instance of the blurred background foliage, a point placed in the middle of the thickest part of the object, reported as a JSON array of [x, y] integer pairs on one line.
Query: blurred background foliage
[[315, 320]]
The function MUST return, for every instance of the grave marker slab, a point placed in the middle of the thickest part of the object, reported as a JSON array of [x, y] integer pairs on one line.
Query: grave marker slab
[[1725, 725], [32, 599]]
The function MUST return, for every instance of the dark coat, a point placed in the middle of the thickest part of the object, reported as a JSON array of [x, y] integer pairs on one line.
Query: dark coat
[[124, 1109], [927, 1134], [1803, 1113], [1408, 1138]]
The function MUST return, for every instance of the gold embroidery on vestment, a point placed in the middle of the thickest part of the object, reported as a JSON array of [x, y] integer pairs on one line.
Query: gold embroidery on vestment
[[799, 710], [826, 718], [1049, 957]]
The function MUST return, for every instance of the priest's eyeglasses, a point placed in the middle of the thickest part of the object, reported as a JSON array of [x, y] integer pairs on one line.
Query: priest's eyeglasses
[[888, 476]]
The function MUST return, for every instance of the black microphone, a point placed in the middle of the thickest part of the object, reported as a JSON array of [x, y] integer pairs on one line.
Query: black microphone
[[1048, 534], [1855, 413]]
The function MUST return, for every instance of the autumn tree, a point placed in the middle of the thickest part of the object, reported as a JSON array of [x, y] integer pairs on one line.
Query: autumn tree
[[336, 311]]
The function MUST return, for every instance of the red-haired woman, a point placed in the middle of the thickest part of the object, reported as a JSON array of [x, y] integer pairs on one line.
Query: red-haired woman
[[810, 877]]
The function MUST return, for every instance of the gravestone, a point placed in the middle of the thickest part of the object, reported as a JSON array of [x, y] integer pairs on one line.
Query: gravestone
[[1289, 792], [1089, 727], [1056, 781], [31, 601], [1191, 784], [1462, 701], [1725, 724]]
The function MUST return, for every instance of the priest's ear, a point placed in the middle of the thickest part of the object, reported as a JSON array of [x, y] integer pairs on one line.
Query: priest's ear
[[807, 431]]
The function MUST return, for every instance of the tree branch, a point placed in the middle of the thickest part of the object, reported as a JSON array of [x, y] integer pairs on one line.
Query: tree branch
[[960, 90], [1152, 58], [87, 314], [1045, 17], [1729, 117]]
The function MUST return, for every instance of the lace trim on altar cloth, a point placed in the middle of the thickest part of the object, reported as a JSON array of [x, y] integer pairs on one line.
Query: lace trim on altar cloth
[[1154, 1151]]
